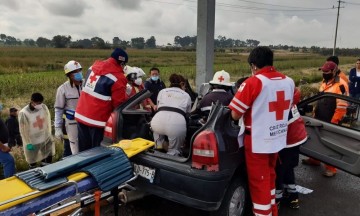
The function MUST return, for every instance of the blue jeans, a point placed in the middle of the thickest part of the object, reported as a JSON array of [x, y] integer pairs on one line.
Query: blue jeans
[[8, 164]]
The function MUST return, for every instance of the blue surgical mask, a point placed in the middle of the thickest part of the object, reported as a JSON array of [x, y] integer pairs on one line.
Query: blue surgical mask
[[78, 76], [154, 78]]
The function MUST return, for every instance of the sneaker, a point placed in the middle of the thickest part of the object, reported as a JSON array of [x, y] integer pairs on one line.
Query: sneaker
[[294, 204], [311, 162], [329, 173]]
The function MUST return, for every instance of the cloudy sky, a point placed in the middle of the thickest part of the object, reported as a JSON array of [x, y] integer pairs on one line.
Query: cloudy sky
[[295, 22]]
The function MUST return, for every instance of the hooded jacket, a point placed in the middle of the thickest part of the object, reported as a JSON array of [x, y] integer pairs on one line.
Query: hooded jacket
[[104, 90]]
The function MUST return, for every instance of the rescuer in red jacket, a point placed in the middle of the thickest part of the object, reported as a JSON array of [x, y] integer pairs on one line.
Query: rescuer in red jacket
[[104, 90]]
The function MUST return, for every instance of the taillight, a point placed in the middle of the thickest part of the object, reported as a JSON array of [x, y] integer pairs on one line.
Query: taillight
[[205, 151], [110, 131]]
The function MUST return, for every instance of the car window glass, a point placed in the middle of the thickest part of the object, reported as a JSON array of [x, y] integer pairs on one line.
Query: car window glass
[[326, 107]]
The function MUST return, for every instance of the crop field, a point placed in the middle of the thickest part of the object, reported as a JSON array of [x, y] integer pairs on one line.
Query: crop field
[[27, 70]]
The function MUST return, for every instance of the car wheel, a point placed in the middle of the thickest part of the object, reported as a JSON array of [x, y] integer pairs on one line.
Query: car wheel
[[234, 200]]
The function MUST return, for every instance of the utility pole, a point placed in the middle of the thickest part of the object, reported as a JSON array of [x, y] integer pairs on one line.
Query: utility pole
[[337, 22]]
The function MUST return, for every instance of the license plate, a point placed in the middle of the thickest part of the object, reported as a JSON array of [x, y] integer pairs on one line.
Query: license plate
[[145, 172]]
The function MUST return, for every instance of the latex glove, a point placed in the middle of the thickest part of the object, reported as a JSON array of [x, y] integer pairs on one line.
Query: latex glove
[[4, 148], [128, 89], [58, 133]]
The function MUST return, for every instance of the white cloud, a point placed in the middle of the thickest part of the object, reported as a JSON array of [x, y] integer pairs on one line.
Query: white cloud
[[166, 19]]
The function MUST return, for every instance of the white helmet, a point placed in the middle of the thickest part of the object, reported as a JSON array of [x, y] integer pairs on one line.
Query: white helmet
[[138, 71], [221, 78], [71, 66], [128, 70]]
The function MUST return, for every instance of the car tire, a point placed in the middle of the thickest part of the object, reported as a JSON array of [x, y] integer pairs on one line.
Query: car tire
[[234, 201]]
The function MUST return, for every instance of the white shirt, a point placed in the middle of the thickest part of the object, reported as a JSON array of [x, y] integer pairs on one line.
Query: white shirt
[[174, 97]]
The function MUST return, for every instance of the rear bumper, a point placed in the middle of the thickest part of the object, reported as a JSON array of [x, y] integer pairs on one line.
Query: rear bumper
[[180, 183]]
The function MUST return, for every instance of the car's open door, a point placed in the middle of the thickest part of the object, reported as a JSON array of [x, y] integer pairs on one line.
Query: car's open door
[[334, 144]]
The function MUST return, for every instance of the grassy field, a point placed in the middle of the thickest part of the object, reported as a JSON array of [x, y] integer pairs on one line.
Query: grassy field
[[27, 70]]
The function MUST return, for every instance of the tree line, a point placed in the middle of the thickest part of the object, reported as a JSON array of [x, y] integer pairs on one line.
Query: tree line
[[63, 41], [185, 43]]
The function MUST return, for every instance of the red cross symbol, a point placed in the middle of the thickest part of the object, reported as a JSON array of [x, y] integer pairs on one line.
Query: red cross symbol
[[280, 105], [221, 78], [39, 122], [93, 78], [76, 64]]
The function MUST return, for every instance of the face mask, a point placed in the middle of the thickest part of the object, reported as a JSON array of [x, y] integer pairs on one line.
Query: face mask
[[154, 78], [1, 107], [327, 77], [38, 106], [138, 81], [78, 76]]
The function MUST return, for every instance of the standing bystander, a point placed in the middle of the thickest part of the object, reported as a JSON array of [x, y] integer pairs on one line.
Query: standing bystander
[[265, 101], [104, 90], [67, 97], [329, 109], [35, 130], [154, 84], [354, 77], [6, 160], [12, 124]]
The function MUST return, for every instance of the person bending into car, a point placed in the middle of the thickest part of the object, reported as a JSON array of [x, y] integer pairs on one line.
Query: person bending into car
[[329, 109], [104, 90], [220, 85], [170, 120], [289, 158], [265, 101]]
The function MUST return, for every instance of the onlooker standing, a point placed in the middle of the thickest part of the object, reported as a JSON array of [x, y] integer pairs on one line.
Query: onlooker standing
[[104, 90], [67, 97], [154, 84], [35, 130], [173, 106], [12, 124], [6, 159], [289, 158], [268, 94], [354, 77], [329, 109]]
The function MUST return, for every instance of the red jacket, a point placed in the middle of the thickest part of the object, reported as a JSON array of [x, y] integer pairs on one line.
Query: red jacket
[[104, 90], [296, 133]]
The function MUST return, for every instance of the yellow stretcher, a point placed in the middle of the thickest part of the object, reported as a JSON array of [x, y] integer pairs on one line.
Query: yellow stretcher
[[14, 191]]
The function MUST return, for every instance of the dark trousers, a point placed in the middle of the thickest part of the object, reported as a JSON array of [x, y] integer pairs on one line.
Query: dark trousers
[[16, 140], [67, 149], [285, 175], [89, 137]]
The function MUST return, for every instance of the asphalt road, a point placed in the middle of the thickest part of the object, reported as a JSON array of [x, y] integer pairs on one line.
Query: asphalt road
[[336, 196]]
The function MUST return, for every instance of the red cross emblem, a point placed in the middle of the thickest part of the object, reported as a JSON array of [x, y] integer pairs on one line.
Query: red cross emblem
[[76, 64], [280, 105], [39, 122], [221, 78], [93, 78]]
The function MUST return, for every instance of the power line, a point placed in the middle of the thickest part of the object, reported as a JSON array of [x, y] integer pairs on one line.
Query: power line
[[351, 3], [219, 4], [276, 5]]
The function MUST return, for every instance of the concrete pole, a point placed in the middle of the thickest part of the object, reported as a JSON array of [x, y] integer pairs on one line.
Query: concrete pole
[[205, 42], [337, 22]]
